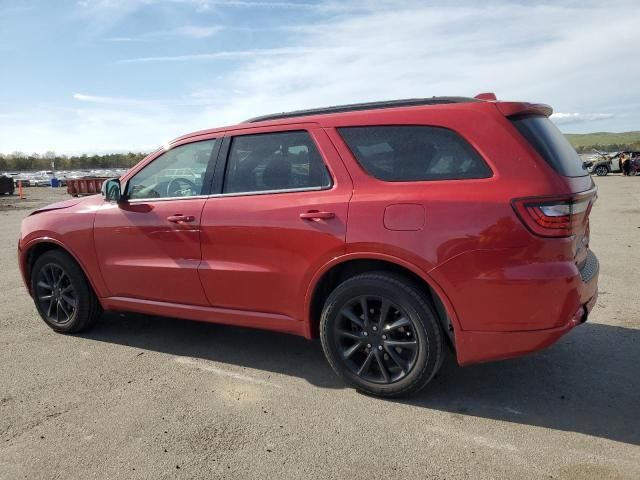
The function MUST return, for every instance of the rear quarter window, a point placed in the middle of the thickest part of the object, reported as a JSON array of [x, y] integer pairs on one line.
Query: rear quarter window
[[551, 144], [413, 153]]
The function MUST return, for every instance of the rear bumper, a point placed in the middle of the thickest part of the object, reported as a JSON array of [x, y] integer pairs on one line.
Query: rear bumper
[[483, 346], [477, 347]]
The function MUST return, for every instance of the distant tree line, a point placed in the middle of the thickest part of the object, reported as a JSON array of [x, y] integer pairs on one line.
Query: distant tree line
[[611, 147], [19, 161]]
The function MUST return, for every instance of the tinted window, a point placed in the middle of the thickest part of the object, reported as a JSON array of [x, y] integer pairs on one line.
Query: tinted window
[[551, 144], [274, 161], [177, 173], [413, 153]]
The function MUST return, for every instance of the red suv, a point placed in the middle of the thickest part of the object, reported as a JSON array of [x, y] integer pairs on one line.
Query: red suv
[[388, 230]]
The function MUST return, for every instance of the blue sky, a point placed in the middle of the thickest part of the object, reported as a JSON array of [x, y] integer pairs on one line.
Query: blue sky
[[112, 75]]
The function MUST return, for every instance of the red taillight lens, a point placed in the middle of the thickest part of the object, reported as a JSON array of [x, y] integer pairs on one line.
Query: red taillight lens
[[555, 216]]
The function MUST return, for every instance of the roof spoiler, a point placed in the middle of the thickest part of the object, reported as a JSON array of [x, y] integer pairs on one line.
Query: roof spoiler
[[486, 96], [510, 109]]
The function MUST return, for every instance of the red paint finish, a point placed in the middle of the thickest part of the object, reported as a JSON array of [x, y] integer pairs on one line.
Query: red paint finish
[[145, 255], [255, 259], [258, 253]]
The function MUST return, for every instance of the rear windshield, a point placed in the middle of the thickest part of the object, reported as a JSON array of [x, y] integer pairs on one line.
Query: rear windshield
[[407, 153], [551, 144]]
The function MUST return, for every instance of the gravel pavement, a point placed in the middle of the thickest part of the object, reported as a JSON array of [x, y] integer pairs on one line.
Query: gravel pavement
[[148, 397]]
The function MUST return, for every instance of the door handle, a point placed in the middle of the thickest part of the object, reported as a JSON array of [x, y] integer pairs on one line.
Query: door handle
[[179, 218], [316, 215]]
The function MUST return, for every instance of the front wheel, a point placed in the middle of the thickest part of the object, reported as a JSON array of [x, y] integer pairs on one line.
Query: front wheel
[[380, 335], [62, 294], [602, 171]]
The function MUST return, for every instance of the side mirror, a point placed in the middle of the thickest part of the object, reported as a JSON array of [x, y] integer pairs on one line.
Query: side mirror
[[112, 190]]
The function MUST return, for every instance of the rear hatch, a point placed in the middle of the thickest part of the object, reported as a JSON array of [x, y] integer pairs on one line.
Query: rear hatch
[[564, 215]]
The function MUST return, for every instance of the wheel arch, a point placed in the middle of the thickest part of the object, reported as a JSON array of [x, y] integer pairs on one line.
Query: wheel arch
[[340, 269], [36, 248]]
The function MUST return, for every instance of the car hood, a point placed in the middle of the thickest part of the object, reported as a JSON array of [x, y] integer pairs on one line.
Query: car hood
[[65, 204]]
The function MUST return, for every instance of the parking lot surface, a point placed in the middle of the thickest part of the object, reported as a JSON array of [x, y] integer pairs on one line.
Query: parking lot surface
[[149, 397]]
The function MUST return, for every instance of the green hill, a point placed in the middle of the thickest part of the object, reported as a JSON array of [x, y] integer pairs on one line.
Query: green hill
[[607, 141]]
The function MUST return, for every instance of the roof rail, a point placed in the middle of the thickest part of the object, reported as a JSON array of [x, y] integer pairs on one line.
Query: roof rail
[[409, 102]]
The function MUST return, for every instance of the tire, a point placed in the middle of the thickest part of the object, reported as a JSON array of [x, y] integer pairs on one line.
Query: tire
[[56, 275], [601, 171], [407, 342]]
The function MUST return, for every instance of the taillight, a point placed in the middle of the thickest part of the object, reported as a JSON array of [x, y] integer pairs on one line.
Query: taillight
[[555, 216]]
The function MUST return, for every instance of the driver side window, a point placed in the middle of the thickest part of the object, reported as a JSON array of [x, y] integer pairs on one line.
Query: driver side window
[[180, 172]]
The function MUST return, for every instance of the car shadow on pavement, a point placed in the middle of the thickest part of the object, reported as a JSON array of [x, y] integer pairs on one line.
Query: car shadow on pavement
[[245, 347], [587, 383]]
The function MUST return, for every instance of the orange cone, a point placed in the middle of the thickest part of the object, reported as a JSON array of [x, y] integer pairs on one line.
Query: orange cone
[[20, 191]]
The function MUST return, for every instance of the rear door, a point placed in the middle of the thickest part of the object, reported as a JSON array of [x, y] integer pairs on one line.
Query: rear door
[[279, 215]]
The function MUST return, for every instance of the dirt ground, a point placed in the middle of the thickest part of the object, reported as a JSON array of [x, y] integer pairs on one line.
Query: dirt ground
[[146, 397]]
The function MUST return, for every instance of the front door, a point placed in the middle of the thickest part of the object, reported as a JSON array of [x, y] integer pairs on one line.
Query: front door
[[148, 246], [279, 216]]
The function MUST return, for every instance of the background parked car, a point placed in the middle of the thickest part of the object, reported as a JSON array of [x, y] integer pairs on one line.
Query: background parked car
[[607, 163], [6, 185]]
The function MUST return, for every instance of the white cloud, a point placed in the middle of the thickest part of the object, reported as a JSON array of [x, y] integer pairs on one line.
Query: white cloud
[[267, 52], [122, 39], [92, 128], [544, 53], [576, 56], [108, 100], [197, 32], [247, 4], [199, 4], [574, 117]]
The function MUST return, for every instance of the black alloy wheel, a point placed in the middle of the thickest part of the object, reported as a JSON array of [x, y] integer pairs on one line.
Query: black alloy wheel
[[381, 335], [62, 294], [55, 294], [376, 339]]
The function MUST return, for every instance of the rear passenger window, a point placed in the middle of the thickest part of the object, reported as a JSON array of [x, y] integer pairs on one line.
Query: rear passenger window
[[275, 161], [413, 153]]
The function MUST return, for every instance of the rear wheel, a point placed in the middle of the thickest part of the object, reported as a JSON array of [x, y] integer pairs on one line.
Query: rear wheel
[[380, 335], [62, 294], [601, 171]]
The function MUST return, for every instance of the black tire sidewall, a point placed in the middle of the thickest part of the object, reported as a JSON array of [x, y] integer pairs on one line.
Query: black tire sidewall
[[427, 330], [84, 310]]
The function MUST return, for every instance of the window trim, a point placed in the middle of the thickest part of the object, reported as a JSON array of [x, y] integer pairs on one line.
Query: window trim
[[220, 174], [373, 177], [271, 192], [233, 194], [165, 199], [207, 182]]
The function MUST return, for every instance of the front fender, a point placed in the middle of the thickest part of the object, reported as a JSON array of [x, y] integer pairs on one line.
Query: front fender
[[68, 228]]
